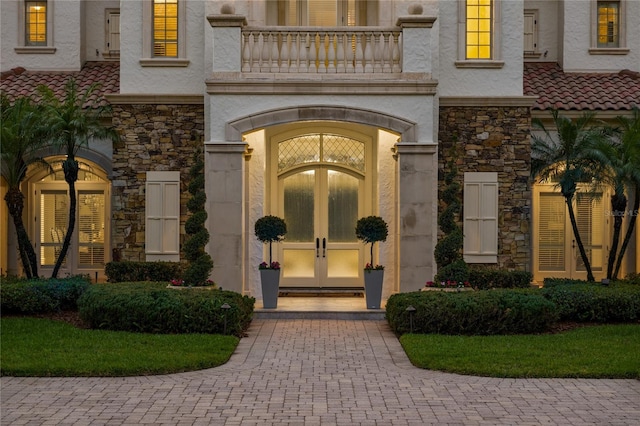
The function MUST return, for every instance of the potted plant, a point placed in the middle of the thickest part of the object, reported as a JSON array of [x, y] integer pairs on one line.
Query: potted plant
[[371, 229], [270, 229]]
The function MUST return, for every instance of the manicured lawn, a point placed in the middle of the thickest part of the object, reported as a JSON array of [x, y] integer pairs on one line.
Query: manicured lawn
[[42, 347], [606, 351]]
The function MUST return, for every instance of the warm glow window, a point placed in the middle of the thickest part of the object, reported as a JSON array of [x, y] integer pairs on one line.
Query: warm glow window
[[608, 24], [165, 28], [36, 23], [479, 22]]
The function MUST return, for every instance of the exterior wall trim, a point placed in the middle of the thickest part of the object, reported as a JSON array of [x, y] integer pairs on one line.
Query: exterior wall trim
[[144, 99], [515, 101], [235, 129]]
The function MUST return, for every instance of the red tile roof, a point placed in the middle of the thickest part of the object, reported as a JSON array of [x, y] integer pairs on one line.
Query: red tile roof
[[20, 82], [581, 91]]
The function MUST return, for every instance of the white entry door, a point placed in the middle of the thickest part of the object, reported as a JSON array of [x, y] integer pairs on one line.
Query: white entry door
[[321, 206], [557, 253]]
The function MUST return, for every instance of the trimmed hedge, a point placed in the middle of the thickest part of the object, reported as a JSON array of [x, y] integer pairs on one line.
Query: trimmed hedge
[[153, 308], [472, 313], [594, 302], [39, 296], [126, 271], [487, 278]]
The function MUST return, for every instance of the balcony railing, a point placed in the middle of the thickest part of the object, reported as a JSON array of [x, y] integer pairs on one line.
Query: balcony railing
[[313, 50]]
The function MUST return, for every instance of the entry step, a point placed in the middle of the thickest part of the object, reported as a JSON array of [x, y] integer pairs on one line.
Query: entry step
[[321, 292]]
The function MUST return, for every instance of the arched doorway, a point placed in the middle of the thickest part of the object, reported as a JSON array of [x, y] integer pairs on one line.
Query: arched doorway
[[89, 250], [321, 179]]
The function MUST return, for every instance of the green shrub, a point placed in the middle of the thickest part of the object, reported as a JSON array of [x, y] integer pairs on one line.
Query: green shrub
[[591, 302], [39, 296], [126, 271], [471, 313], [633, 279], [487, 278], [153, 308]]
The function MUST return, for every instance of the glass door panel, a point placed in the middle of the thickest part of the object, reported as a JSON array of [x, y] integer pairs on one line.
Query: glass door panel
[[91, 218], [342, 197], [54, 211]]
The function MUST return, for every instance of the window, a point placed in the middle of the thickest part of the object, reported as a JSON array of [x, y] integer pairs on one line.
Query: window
[[479, 34], [35, 23], [608, 27], [531, 34], [165, 28], [164, 33], [479, 23], [162, 231], [608, 24], [480, 224]]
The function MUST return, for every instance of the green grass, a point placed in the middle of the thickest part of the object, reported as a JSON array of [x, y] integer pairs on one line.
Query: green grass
[[42, 347], [606, 351]]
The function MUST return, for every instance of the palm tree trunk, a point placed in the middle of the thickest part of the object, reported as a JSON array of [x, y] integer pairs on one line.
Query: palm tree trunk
[[576, 235], [632, 222], [70, 167], [15, 204], [618, 206]]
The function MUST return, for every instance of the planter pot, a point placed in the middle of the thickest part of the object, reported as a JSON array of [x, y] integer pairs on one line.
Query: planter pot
[[373, 287], [270, 280]]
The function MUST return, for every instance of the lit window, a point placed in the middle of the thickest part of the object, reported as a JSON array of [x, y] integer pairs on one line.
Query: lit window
[[608, 24], [479, 22], [165, 28], [36, 23]]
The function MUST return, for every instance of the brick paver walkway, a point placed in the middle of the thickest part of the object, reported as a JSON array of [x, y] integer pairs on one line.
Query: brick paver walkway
[[318, 372]]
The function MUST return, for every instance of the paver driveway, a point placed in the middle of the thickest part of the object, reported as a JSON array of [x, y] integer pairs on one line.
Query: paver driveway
[[318, 372]]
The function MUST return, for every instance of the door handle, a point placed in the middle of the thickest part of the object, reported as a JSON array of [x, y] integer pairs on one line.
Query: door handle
[[324, 247], [317, 247]]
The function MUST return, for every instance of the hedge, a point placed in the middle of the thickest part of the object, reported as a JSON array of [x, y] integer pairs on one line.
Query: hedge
[[40, 296], [593, 302], [153, 308], [487, 278], [471, 313], [126, 271]]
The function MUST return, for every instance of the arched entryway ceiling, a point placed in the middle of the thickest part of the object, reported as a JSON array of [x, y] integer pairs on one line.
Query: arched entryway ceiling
[[98, 158], [406, 129]]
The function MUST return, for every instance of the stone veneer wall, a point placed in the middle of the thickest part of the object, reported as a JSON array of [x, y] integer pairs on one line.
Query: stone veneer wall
[[495, 139], [152, 138]]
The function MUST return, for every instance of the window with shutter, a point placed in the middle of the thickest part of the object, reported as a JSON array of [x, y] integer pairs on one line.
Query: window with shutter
[[531, 33], [162, 231], [480, 224]]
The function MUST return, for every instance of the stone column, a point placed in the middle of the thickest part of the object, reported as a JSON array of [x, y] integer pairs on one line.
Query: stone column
[[418, 213], [227, 41], [224, 185], [416, 43]]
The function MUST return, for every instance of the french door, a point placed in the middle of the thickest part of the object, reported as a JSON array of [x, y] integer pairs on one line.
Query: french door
[[557, 253], [323, 13], [87, 252], [321, 206]]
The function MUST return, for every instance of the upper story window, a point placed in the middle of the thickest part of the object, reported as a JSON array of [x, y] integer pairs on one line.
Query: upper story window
[[165, 28], [164, 33], [35, 23], [608, 27], [479, 34], [479, 29], [321, 13], [608, 24]]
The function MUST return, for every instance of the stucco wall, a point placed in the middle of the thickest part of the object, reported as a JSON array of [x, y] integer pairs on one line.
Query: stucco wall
[[67, 38], [505, 81], [548, 37], [495, 139], [152, 138], [95, 28], [135, 78]]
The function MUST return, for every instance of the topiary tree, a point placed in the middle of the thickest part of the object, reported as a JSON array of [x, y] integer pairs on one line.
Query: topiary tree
[[270, 229], [447, 253], [200, 263], [371, 229]]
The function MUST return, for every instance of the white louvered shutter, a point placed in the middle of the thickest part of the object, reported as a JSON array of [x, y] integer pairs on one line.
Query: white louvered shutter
[[162, 232], [480, 224]]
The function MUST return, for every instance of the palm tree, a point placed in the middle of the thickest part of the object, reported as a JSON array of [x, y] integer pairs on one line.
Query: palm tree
[[21, 137], [72, 123], [621, 156], [563, 158]]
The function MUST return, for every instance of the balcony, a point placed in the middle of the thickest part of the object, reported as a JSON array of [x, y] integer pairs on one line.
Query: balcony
[[341, 58]]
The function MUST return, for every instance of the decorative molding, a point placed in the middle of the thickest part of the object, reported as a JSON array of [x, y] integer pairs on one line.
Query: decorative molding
[[510, 101], [609, 51], [479, 64], [227, 20], [35, 50], [143, 98], [164, 62]]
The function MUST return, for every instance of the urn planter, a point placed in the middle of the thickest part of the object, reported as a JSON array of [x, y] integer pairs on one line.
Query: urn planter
[[270, 280], [373, 287]]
